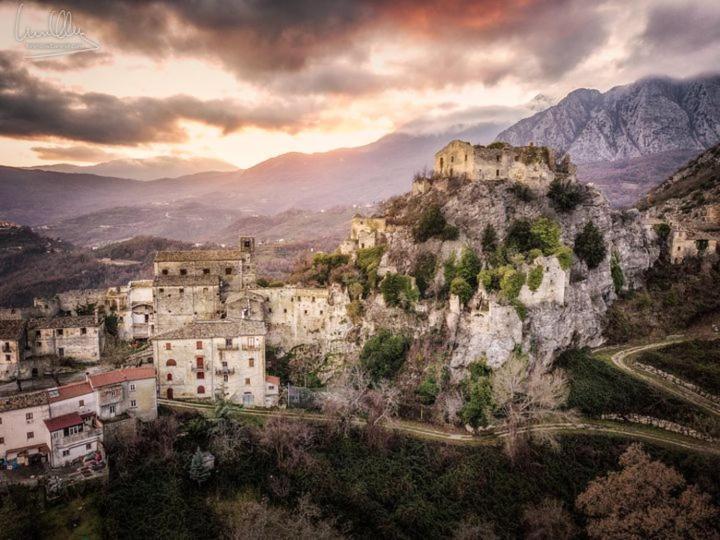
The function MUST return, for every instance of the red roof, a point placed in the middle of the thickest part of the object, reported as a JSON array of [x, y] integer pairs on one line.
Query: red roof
[[64, 421], [120, 375], [272, 379], [70, 391]]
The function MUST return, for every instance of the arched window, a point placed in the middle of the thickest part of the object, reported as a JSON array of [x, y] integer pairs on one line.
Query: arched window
[[169, 376], [201, 390], [171, 363], [442, 163]]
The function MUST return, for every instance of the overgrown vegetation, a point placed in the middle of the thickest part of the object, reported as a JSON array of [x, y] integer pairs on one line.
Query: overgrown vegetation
[[535, 277], [432, 224], [590, 245], [694, 361], [384, 354], [616, 273], [398, 291], [424, 271], [565, 195], [477, 395]]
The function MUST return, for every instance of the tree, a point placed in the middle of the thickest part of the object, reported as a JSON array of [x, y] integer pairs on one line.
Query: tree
[[646, 499], [384, 354], [432, 223], [469, 266], [288, 441], [199, 472], [489, 239], [477, 395], [398, 291], [548, 520], [424, 271], [111, 324], [590, 245], [565, 195], [616, 273], [525, 395], [545, 234], [462, 289], [519, 236]]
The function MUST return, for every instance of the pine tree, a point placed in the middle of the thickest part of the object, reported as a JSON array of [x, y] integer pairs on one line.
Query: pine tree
[[198, 471]]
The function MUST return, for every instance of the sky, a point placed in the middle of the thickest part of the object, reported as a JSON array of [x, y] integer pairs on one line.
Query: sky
[[242, 81]]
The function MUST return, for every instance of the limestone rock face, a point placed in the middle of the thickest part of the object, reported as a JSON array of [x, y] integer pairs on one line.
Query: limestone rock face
[[647, 117], [568, 307]]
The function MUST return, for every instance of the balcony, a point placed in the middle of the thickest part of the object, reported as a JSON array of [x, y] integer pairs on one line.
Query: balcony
[[250, 347], [195, 369], [226, 347], [109, 397], [225, 371], [85, 435]]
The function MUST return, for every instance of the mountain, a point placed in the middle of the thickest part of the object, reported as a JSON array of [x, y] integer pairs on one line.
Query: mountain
[[145, 169], [631, 124]]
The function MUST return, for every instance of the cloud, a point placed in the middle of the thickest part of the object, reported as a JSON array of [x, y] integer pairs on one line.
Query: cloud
[[328, 46], [682, 28], [87, 154], [73, 62], [31, 108]]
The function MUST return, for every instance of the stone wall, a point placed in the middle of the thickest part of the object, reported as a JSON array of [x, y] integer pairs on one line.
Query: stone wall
[[72, 343], [552, 287], [177, 305], [667, 425]]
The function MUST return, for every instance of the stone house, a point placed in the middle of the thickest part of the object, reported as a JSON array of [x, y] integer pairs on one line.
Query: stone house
[[73, 436], [24, 438], [181, 299], [80, 337], [205, 358], [684, 244], [365, 232], [137, 319], [535, 166], [12, 345], [130, 392]]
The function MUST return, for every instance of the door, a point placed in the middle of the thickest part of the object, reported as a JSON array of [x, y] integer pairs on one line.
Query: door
[[170, 393]]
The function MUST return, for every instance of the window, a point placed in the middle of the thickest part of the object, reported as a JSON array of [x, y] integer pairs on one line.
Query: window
[[66, 453], [200, 374], [183, 272], [81, 403], [269, 310], [164, 272], [30, 435], [247, 381], [83, 331], [206, 271], [321, 312], [228, 342], [2, 440], [132, 387], [224, 364], [225, 378], [271, 387], [88, 446], [59, 331], [133, 403], [169, 376], [228, 271], [7, 357], [168, 346], [61, 351], [161, 290], [198, 344], [285, 310], [465, 158], [497, 172], [305, 312], [171, 363], [201, 390], [497, 158], [200, 362], [181, 290], [28, 416], [251, 362]]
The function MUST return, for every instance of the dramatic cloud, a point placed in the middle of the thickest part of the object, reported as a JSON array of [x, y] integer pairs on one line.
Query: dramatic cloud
[[31, 108], [87, 154], [682, 28]]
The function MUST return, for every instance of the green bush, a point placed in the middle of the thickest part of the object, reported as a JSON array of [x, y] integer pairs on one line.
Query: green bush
[[477, 394], [564, 256], [428, 391], [383, 355], [511, 283], [489, 239], [469, 266], [324, 263], [519, 236], [397, 290], [617, 274], [432, 223], [534, 254], [520, 309], [535, 277], [663, 231], [546, 235], [461, 288], [450, 268], [590, 245], [522, 192], [424, 271], [565, 196]]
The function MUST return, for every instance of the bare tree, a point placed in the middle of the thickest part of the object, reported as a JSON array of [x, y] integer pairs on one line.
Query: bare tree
[[526, 395], [289, 441], [646, 499], [548, 520]]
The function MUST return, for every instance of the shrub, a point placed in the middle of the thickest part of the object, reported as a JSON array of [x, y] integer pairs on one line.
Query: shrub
[[545, 235], [511, 283], [397, 290], [520, 309], [368, 261], [616, 273], [565, 196], [590, 245], [431, 224], [535, 277], [384, 354], [477, 393], [469, 266], [534, 254], [489, 239], [424, 271], [428, 391], [663, 231], [519, 236], [522, 192], [461, 288], [450, 268], [702, 244], [564, 256], [355, 310]]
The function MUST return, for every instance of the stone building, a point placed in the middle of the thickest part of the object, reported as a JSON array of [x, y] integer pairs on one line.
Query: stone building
[[12, 347], [73, 436], [535, 166], [137, 319], [684, 243], [24, 438], [365, 232], [236, 267], [206, 358], [181, 299], [130, 392], [81, 337]]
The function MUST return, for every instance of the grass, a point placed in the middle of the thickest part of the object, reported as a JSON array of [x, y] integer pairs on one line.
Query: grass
[[596, 388], [695, 361], [59, 518]]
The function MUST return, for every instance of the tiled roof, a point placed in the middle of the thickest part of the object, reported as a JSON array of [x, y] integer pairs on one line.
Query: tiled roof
[[12, 329], [80, 321], [69, 391], [186, 281], [200, 255], [120, 375], [21, 401], [213, 329], [272, 379], [64, 421]]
